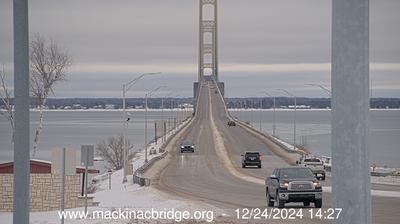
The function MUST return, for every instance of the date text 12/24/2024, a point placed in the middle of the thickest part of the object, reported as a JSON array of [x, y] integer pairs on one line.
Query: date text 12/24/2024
[[287, 214]]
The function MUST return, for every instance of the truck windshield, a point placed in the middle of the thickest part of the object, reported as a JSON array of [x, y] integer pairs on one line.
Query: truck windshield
[[290, 173]]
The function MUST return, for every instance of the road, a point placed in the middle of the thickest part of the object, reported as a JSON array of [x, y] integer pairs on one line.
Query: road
[[204, 175]]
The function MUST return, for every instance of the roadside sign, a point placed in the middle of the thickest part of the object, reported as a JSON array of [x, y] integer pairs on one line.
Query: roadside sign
[[70, 161], [87, 152]]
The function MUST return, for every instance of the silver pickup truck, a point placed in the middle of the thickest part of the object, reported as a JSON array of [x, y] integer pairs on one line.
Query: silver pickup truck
[[316, 166], [293, 184]]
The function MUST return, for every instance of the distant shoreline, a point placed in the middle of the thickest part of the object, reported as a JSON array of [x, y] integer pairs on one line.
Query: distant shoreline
[[191, 109]]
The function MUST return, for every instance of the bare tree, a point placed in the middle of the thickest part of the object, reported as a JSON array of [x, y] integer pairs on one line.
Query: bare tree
[[111, 150], [48, 64], [5, 96]]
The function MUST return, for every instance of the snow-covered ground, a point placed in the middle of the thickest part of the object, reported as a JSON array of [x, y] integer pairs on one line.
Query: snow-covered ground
[[287, 145], [121, 195], [125, 196], [139, 159]]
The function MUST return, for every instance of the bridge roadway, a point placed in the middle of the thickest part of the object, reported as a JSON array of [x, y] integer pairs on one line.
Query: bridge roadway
[[204, 176]]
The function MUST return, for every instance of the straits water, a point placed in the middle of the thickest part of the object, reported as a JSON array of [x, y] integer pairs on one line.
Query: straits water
[[72, 129], [313, 131]]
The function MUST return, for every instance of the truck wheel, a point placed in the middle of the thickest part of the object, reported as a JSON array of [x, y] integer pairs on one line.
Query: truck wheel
[[270, 203], [281, 203], [318, 203], [243, 166], [306, 203], [259, 166], [323, 177]]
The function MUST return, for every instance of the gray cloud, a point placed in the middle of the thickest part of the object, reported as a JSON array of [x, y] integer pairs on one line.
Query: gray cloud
[[161, 35]]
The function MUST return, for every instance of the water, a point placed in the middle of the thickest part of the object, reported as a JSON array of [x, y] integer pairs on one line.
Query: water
[[313, 131], [75, 128], [72, 129]]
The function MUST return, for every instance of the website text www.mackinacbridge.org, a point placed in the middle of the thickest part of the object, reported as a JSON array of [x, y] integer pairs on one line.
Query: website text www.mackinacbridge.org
[[148, 214]]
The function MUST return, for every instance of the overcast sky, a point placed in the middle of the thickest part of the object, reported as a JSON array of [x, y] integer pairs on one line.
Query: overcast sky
[[263, 44]]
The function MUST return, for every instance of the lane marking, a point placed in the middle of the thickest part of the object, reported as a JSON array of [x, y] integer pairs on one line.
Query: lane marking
[[222, 152]]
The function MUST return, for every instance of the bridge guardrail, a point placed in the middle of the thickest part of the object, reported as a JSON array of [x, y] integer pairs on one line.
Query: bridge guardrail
[[138, 174]]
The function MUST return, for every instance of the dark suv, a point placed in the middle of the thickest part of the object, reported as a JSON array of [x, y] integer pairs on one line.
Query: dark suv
[[231, 123], [187, 146], [251, 159], [293, 184]]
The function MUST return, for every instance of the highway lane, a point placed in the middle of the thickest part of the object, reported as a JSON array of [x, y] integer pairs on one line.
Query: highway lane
[[239, 140], [202, 176], [202, 173]]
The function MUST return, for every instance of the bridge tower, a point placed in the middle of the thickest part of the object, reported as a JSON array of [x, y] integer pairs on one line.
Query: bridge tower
[[208, 40], [208, 44]]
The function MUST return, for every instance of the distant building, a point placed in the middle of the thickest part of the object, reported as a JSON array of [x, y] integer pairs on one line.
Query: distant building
[[299, 107], [109, 106], [98, 107]]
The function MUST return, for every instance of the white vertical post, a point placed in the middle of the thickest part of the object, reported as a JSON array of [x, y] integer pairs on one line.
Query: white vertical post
[[216, 43], [145, 129], [162, 118], [350, 111], [261, 113], [125, 121], [21, 94], [86, 177], [294, 123], [274, 120], [62, 183]]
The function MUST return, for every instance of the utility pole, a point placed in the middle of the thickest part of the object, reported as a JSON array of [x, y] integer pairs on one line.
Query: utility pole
[[294, 119], [273, 115], [261, 113], [125, 88], [145, 129], [145, 119], [350, 111], [21, 102]]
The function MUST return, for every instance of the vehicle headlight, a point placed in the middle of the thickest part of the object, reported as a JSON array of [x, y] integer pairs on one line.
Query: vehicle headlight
[[284, 185], [317, 184], [182, 147], [192, 146]]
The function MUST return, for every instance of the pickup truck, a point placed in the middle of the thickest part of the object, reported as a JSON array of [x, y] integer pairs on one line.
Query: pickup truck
[[293, 184], [316, 166]]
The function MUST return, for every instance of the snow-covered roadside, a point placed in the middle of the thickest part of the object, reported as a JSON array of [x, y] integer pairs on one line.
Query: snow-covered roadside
[[379, 193], [287, 145], [122, 195], [139, 159]]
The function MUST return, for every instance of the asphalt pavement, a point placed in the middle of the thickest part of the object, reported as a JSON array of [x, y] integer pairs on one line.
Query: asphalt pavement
[[203, 176]]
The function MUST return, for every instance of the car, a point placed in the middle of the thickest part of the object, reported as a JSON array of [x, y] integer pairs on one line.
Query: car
[[231, 123], [251, 158], [316, 166], [293, 184], [187, 146]]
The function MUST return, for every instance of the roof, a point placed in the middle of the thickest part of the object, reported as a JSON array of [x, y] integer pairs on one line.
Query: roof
[[7, 167]]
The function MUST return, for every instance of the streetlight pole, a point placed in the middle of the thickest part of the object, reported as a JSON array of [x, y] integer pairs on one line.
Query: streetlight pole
[[329, 92], [273, 115], [126, 87], [294, 121], [261, 113], [326, 90], [145, 120]]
